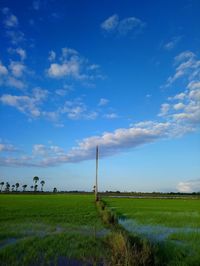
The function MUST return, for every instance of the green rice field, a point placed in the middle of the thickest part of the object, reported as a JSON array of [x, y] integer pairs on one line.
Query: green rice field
[[67, 229], [172, 224], [50, 230]]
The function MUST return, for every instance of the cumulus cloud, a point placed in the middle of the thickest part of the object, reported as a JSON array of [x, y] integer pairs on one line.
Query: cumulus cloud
[[3, 69], [42, 150], [32, 105], [10, 21], [76, 110], [52, 56], [122, 27], [11, 25], [189, 186], [6, 147], [16, 36], [111, 116], [103, 101], [110, 23], [13, 75], [16, 83], [17, 68], [27, 104], [165, 107], [21, 52], [179, 106], [184, 108], [70, 68], [71, 65]]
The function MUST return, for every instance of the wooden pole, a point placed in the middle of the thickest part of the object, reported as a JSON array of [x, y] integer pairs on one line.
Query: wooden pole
[[97, 162]]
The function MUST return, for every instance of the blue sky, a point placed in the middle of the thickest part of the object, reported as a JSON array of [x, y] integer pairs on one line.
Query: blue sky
[[121, 75]]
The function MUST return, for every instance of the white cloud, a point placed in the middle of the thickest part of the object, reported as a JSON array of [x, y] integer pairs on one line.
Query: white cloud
[[179, 106], [187, 66], [5, 147], [29, 105], [103, 101], [24, 104], [184, 56], [71, 65], [17, 68], [68, 52], [13, 75], [53, 116], [16, 83], [93, 67], [110, 23], [76, 110], [172, 43], [180, 96], [11, 21], [52, 56], [187, 109], [16, 36], [11, 25], [129, 24], [3, 69], [42, 150], [62, 70], [148, 96], [21, 52], [165, 107], [193, 85], [111, 116], [61, 92], [122, 27], [189, 186], [64, 90]]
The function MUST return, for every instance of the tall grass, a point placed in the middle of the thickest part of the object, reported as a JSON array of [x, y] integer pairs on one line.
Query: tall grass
[[125, 249]]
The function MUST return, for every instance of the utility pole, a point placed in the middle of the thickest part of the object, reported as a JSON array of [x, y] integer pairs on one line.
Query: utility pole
[[97, 162]]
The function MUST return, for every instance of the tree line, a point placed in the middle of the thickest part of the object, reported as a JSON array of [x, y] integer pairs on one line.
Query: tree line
[[6, 187]]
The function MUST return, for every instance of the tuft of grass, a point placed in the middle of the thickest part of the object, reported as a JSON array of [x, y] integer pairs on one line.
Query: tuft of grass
[[109, 218]]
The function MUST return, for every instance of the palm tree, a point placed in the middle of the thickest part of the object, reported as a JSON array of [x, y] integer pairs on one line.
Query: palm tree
[[42, 185], [1, 184], [13, 188], [24, 187], [31, 188], [35, 188], [17, 185], [35, 179], [7, 188]]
